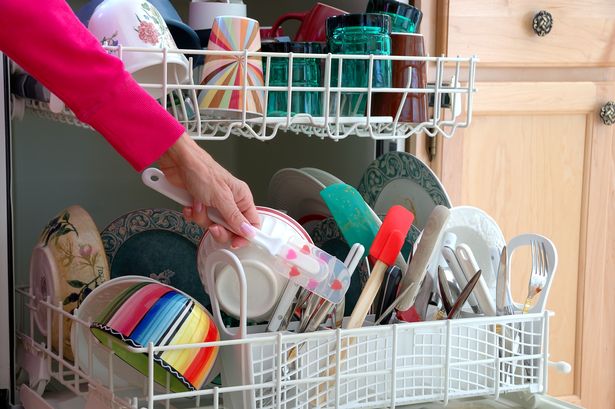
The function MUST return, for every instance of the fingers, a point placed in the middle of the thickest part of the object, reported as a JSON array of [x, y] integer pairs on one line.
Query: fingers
[[197, 214]]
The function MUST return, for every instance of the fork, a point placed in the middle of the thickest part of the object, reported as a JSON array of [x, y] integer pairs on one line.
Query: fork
[[538, 277]]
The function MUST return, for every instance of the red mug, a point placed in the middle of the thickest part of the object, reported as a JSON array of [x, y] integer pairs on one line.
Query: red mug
[[313, 21], [415, 105]]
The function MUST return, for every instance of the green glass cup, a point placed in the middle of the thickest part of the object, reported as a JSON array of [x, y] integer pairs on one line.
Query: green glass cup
[[306, 73], [405, 18], [358, 34]]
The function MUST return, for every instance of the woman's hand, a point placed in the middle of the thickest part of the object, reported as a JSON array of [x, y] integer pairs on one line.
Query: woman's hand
[[188, 166]]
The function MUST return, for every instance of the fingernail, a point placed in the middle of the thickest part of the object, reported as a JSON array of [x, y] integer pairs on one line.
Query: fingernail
[[215, 230], [247, 229], [198, 207]]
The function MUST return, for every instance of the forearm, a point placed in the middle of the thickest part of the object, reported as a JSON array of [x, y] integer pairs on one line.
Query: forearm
[[47, 40]]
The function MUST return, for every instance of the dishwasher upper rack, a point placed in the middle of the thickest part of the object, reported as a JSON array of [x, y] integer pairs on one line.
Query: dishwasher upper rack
[[451, 91]]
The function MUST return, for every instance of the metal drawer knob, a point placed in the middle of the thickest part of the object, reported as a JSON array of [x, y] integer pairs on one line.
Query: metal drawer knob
[[543, 23], [607, 113]]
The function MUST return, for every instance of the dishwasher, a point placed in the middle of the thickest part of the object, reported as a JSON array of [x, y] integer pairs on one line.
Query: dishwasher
[[50, 161]]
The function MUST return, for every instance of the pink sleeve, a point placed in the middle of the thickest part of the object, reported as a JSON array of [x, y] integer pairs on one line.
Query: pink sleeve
[[48, 41]]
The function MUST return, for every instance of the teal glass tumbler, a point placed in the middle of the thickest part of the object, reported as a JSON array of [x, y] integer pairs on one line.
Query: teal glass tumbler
[[358, 34], [306, 73], [405, 18]]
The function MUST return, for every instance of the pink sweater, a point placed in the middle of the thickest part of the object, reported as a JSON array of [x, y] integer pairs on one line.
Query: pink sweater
[[48, 41]]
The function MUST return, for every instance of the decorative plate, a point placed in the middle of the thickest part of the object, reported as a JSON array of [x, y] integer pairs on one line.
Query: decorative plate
[[482, 234], [156, 243], [403, 179]]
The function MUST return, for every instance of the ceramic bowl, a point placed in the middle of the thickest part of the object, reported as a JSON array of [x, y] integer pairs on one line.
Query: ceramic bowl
[[67, 263], [156, 313], [265, 283], [137, 23], [98, 300]]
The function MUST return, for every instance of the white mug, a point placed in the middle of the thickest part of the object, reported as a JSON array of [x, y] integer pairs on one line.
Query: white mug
[[137, 23], [201, 15]]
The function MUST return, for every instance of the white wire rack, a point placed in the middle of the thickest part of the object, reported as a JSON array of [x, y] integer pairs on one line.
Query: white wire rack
[[454, 82], [370, 367]]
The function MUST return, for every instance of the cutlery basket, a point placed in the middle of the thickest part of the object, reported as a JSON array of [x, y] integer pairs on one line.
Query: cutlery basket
[[378, 366]]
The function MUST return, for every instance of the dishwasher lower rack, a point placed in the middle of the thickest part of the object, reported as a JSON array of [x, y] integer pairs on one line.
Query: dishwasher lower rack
[[370, 367]]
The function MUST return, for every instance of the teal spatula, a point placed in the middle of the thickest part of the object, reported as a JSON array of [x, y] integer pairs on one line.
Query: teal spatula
[[352, 215]]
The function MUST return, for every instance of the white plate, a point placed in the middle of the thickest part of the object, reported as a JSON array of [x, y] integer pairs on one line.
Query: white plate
[[482, 234], [323, 177], [399, 178], [298, 193]]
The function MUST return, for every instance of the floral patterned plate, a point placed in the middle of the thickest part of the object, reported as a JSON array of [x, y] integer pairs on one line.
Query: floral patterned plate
[[67, 263], [156, 243], [399, 178]]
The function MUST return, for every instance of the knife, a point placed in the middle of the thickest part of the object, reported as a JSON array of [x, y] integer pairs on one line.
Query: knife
[[469, 266], [464, 296], [502, 284], [445, 290], [388, 289], [448, 252]]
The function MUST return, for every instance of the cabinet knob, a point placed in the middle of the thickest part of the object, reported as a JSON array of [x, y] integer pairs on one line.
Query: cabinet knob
[[543, 23], [607, 113]]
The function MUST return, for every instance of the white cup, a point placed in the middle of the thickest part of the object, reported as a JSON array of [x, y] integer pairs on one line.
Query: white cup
[[201, 15], [136, 23]]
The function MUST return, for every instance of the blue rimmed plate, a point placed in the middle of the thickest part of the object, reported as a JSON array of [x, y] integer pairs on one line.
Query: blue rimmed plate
[[156, 243], [399, 178]]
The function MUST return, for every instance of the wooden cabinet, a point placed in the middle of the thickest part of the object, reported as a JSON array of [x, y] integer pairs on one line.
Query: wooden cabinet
[[501, 32], [538, 158]]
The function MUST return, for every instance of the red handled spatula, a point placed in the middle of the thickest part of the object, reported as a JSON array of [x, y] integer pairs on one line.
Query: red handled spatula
[[385, 248]]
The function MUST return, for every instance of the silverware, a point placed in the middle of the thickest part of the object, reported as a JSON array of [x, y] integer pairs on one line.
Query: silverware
[[467, 290], [283, 310], [445, 290], [503, 301], [469, 266], [448, 253], [538, 277], [388, 290]]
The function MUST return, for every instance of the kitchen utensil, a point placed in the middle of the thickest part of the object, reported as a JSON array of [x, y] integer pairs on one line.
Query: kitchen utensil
[[351, 213], [230, 33], [425, 256], [358, 34], [544, 266], [538, 277], [156, 313], [135, 23], [402, 105], [503, 299], [388, 290], [66, 264], [402, 178], [284, 305], [156, 243], [465, 293], [305, 73], [445, 290], [265, 285], [448, 253], [306, 264], [313, 21], [417, 312], [405, 18], [384, 249], [357, 222], [470, 267], [353, 259]]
